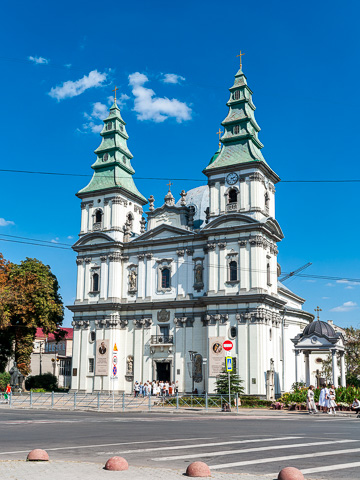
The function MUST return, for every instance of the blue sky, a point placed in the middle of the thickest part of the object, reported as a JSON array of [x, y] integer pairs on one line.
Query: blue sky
[[173, 64]]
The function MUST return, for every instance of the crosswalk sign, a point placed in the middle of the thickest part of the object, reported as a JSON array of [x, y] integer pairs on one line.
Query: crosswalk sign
[[229, 364]]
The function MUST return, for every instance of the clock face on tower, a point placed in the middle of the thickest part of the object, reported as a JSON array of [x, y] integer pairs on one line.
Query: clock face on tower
[[232, 178]]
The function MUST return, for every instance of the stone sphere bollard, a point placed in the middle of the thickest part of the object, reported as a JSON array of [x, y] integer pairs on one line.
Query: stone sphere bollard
[[37, 455], [290, 473], [116, 464], [198, 469]]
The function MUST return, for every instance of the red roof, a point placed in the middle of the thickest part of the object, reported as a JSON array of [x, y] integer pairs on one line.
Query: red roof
[[50, 337]]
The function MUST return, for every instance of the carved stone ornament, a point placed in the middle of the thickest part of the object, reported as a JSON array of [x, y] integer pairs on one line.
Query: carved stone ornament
[[163, 316], [222, 245], [142, 225], [183, 198], [79, 261], [259, 315], [141, 256], [190, 251], [214, 318], [87, 260], [130, 365], [142, 322], [124, 322], [103, 258], [151, 203], [180, 253], [211, 246], [132, 278], [242, 243], [115, 257]]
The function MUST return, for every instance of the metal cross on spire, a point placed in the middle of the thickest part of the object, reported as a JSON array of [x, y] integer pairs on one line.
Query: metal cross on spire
[[219, 133], [115, 92], [318, 310], [169, 185], [240, 55]]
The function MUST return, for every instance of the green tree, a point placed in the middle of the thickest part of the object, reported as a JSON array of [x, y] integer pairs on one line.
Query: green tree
[[30, 299], [4, 380], [222, 383]]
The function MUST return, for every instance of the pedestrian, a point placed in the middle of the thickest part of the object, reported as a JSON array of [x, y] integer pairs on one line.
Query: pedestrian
[[136, 389], [7, 392], [331, 401], [176, 387], [310, 400], [167, 388], [356, 406], [323, 398]]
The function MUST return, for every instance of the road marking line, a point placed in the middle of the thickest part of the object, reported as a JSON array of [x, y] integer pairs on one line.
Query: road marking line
[[246, 450], [111, 444], [285, 458], [207, 445], [330, 468]]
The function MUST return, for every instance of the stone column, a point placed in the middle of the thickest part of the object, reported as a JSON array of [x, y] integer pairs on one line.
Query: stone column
[[222, 270], [84, 218], [254, 267], [307, 368], [87, 282], [334, 369], [212, 267], [106, 221], [243, 265], [342, 367], [103, 277], [181, 274], [115, 212], [213, 199], [222, 199], [141, 276], [190, 271], [114, 275], [80, 280], [149, 276], [89, 217]]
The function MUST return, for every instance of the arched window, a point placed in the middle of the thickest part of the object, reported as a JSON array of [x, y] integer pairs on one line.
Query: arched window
[[236, 129], [165, 278], [105, 157], [233, 271], [237, 95], [98, 216], [268, 274], [95, 279], [233, 196]]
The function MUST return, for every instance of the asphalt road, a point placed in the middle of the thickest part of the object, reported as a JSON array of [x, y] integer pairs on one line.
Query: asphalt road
[[321, 446]]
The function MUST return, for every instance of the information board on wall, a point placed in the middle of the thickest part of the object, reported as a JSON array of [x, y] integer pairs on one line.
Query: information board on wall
[[216, 356], [102, 357]]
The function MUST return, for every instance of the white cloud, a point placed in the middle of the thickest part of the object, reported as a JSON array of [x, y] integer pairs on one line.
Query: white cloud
[[329, 285], [172, 78], [345, 307], [311, 281], [99, 110], [72, 89], [68, 65], [55, 240], [349, 287], [121, 100], [149, 107], [92, 127], [348, 282], [39, 60], [325, 298], [5, 223], [69, 237]]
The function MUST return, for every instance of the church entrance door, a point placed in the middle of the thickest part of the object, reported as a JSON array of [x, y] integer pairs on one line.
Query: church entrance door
[[163, 371]]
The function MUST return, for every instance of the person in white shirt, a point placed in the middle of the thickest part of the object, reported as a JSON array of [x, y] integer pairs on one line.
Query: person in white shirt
[[356, 406], [310, 400], [331, 401], [323, 398]]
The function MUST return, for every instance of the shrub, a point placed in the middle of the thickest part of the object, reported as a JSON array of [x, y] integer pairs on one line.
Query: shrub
[[4, 380], [47, 381]]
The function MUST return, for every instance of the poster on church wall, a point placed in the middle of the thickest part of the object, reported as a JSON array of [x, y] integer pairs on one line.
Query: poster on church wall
[[102, 357], [216, 356]]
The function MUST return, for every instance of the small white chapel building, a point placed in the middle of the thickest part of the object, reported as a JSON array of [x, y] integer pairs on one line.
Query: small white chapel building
[[158, 293]]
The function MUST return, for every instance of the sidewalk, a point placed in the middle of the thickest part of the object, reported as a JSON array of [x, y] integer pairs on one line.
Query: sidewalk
[[58, 470]]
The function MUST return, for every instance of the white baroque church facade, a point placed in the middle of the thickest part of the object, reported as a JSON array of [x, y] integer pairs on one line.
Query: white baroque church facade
[[156, 297]]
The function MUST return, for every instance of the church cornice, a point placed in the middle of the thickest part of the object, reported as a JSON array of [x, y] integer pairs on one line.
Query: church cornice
[[244, 166], [115, 190], [232, 302]]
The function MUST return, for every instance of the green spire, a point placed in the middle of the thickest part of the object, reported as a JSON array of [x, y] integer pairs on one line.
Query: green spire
[[240, 140], [113, 167]]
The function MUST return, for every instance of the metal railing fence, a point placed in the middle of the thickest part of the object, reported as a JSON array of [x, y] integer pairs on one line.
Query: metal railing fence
[[121, 402]]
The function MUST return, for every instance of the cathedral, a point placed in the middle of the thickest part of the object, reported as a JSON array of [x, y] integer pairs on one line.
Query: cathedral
[[159, 291]]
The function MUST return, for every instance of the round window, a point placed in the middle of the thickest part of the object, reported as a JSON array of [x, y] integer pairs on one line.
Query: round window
[[319, 360]]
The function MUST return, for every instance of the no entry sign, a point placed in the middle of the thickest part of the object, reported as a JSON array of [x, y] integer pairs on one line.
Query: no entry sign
[[228, 345]]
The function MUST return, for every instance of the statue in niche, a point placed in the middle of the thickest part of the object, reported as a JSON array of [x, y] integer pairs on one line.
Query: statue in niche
[[132, 280], [199, 274], [130, 365]]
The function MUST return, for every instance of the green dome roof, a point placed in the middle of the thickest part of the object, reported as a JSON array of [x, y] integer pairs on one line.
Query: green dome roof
[[214, 157]]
